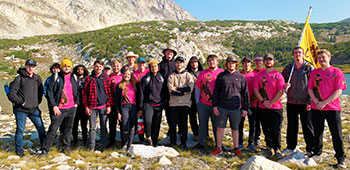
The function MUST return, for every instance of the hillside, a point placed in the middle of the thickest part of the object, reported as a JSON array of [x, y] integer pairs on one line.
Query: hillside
[[242, 38], [42, 17]]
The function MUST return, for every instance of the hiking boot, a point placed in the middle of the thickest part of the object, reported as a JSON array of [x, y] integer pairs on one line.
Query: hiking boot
[[198, 147], [267, 152], [20, 153], [278, 154], [309, 154], [340, 165], [43, 154], [251, 148], [217, 153], [149, 142], [237, 152], [288, 151], [241, 147]]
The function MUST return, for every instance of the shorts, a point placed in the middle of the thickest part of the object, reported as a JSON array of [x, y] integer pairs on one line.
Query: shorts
[[233, 115]]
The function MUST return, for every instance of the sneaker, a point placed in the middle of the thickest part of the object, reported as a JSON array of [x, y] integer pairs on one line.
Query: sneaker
[[237, 152], [251, 148], [43, 154], [149, 142], [278, 154], [309, 154], [198, 147], [125, 148], [340, 165], [241, 147], [196, 138], [20, 153], [267, 152], [217, 153], [287, 151]]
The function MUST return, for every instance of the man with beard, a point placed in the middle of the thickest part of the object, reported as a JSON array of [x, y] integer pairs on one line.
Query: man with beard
[[180, 86], [230, 101], [97, 100], [26, 94], [268, 88], [298, 102], [63, 97], [327, 106], [81, 72], [204, 88]]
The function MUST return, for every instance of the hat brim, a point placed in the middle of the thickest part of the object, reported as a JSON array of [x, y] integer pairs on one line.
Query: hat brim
[[131, 56], [175, 53]]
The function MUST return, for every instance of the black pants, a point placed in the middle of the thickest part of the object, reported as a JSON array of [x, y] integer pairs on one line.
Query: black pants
[[83, 118], [334, 124], [252, 128], [257, 124], [66, 119], [129, 123], [293, 110], [112, 122], [152, 119], [271, 123], [178, 116], [193, 119]]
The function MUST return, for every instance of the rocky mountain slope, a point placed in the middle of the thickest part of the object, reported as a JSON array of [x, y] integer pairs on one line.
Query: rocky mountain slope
[[41, 17]]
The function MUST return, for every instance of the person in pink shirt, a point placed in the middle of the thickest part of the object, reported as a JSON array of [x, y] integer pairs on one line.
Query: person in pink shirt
[[204, 88], [126, 104], [115, 78], [268, 87], [249, 75], [325, 87], [63, 97]]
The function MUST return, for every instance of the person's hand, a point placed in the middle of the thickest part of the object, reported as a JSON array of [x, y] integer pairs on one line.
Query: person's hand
[[267, 104], [119, 117], [140, 113], [244, 113], [216, 111], [321, 105], [75, 105], [23, 103], [56, 111], [286, 86], [308, 107], [108, 110], [88, 111]]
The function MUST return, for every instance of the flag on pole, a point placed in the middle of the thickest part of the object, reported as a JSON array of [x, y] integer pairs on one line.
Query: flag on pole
[[308, 43]]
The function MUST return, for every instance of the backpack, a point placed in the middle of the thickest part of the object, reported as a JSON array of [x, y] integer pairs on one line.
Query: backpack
[[8, 86], [148, 78]]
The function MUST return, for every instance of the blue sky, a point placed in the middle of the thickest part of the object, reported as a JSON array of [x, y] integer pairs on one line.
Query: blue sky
[[260, 10]]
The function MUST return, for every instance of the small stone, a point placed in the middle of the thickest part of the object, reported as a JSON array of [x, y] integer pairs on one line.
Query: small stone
[[47, 167], [127, 166], [98, 152], [261, 163], [79, 162], [164, 161], [61, 159], [12, 157], [64, 167], [114, 155]]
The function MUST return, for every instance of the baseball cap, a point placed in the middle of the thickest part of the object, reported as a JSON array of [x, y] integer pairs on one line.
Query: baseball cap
[[181, 59], [269, 56], [141, 59], [246, 59], [30, 62], [231, 59]]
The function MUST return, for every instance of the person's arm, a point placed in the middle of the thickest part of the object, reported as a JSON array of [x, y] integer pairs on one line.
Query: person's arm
[[197, 93], [14, 96], [172, 89], [245, 94], [40, 90], [50, 93]]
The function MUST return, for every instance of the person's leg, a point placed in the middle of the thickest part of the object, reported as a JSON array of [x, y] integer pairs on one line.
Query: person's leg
[[125, 124], [92, 129], [193, 119], [203, 116], [240, 131], [213, 121], [68, 125], [21, 118], [257, 125], [157, 119], [182, 123], [56, 122], [148, 118], [308, 129], [276, 125], [292, 125], [334, 123], [83, 124], [133, 119], [252, 126], [318, 124], [235, 136], [235, 121], [172, 124], [112, 122], [221, 121], [103, 126], [39, 125], [77, 118]]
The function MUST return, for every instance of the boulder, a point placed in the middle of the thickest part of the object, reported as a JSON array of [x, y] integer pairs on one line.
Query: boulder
[[61, 159], [299, 159], [114, 155], [79, 162], [152, 152], [12, 157], [164, 161], [261, 163]]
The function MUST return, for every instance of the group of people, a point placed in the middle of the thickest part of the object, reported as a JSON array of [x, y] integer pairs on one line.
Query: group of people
[[115, 93]]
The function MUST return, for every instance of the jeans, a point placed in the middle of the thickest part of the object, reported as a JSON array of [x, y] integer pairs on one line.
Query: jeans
[[65, 119], [21, 118], [204, 112], [93, 126], [128, 123], [152, 119]]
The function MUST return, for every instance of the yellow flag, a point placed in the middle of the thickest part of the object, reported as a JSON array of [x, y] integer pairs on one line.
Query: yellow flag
[[308, 43]]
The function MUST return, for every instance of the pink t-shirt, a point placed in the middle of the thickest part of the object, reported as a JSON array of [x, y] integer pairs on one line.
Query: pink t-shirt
[[138, 76], [115, 79], [67, 97], [268, 85], [130, 94], [206, 82], [249, 77], [324, 83]]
